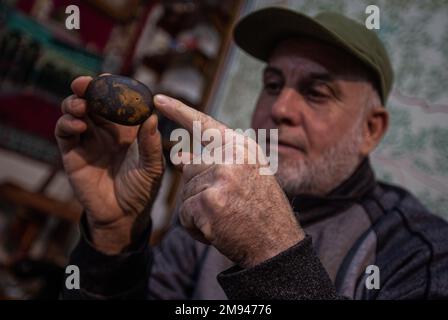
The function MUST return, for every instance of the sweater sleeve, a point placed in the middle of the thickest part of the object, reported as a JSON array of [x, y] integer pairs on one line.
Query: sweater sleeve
[[122, 276], [167, 271], [295, 274]]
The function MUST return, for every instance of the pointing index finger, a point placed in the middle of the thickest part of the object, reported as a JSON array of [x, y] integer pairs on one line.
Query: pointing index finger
[[184, 115]]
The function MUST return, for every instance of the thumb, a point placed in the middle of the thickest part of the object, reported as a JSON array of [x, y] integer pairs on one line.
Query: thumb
[[150, 143]]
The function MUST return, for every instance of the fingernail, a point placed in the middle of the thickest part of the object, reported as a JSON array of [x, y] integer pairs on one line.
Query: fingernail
[[154, 129], [161, 99]]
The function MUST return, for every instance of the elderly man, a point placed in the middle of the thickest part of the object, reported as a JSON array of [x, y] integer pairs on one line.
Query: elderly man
[[316, 230]]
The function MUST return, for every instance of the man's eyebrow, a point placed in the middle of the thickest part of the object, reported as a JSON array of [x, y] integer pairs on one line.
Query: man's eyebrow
[[271, 69], [314, 76], [321, 76]]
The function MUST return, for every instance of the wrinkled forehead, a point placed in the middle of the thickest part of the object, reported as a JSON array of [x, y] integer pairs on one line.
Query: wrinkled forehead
[[307, 54]]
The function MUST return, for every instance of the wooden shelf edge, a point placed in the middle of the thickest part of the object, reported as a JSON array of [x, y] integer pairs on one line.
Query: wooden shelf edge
[[39, 202]]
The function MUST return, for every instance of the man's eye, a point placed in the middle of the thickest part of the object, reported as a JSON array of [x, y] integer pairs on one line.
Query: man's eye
[[318, 94], [315, 93], [272, 87]]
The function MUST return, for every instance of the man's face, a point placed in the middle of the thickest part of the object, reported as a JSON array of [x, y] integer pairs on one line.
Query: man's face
[[315, 95]]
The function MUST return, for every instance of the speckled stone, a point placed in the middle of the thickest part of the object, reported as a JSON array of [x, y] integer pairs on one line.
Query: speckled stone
[[119, 99]]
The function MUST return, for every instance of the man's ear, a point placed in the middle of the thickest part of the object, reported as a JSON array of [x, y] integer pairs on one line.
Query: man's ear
[[375, 126]]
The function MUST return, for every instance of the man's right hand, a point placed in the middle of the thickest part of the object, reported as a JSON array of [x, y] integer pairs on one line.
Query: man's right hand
[[115, 170]]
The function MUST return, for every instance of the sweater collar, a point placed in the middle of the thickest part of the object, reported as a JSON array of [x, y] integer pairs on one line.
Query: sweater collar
[[312, 208]]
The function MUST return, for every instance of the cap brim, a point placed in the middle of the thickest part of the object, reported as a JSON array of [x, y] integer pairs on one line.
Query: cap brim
[[259, 32]]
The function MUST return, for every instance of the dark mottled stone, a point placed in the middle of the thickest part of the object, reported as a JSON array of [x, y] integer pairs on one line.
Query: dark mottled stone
[[119, 99]]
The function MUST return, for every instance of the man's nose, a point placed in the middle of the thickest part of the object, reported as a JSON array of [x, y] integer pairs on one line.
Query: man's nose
[[287, 108]]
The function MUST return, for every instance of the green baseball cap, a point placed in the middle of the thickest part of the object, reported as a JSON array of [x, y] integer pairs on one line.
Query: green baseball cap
[[259, 32]]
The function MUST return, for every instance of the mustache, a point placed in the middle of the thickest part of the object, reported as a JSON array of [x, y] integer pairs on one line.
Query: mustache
[[293, 143]]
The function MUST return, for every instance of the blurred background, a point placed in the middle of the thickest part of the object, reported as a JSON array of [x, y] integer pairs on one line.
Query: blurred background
[[182, 48]]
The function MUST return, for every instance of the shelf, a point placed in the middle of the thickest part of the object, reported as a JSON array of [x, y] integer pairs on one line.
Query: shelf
[[39, 202]]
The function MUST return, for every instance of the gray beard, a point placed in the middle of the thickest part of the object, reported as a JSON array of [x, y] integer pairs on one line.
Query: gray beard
[[320, 176]]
